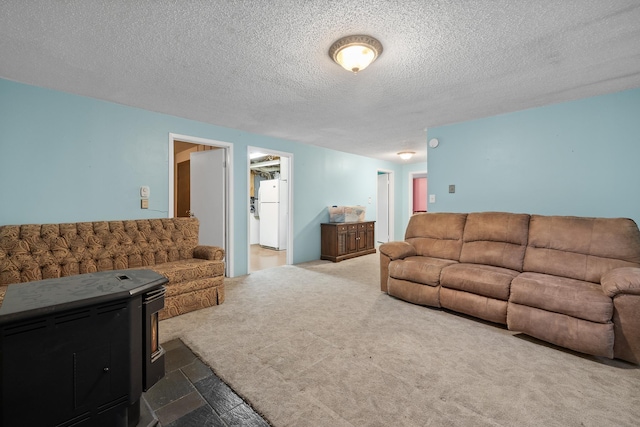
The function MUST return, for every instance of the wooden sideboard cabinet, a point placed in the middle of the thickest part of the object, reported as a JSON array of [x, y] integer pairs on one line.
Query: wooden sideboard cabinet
[[343, 240]]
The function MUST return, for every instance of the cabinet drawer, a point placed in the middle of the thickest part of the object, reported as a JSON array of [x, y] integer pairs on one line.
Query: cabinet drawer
[[342, 228], [366, 225], [352, 226]]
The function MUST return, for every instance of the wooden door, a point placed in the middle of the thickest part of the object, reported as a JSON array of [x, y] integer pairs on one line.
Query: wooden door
[[370, 236], [184, 189], [342, 241], [362, 237], [352, 239]]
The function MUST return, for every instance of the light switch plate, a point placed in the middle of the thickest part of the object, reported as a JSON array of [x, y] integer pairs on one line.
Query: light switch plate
[[432, 198], [452, 188], [144, 203]]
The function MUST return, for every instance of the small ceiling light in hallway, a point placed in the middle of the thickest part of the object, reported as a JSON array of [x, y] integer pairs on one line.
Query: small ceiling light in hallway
[[406, 155]]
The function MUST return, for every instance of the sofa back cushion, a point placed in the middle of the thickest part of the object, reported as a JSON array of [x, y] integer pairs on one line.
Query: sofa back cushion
[[495, 238], [581, 248], [437, 235], [46, 251]]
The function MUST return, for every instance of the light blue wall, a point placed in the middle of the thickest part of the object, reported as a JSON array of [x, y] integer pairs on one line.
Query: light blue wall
[[67, 158], [578, 158], [325, 178]]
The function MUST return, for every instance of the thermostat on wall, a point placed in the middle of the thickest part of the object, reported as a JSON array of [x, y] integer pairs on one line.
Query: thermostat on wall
[[144, 191], [433, 143]]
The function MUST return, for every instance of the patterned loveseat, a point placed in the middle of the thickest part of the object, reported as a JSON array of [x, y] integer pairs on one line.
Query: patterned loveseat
[[168, 246]]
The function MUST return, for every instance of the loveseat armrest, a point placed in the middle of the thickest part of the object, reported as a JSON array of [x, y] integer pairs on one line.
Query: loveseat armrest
[[397, 250], [212, 253], [623, 280], [389, 252]]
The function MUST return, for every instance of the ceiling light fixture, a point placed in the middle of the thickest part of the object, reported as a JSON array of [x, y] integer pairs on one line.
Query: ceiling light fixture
[[406, 155], [355, 53]]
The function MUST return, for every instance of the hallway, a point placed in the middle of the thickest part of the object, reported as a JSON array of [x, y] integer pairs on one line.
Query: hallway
[[262, 258]]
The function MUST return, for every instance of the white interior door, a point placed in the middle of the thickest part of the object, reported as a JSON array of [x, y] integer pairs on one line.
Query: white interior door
[[208, 195], [382, 214]]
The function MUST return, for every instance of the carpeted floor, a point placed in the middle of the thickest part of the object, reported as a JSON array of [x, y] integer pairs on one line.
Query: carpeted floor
[[318, 344]]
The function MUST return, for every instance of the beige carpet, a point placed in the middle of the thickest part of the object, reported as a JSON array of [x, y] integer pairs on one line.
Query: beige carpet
[[318, 344]]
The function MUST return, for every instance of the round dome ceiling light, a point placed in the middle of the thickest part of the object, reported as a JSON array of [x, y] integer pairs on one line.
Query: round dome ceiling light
[[355, 53], [406, 155]]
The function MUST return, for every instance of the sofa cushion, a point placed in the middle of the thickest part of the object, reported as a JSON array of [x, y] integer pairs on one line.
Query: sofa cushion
[[437, 235], [495, 238], [188, 270], [486, 280], [566, 331], [480, 306], [193, 286], [416, 293], [576, 298], [419, 269], [581, 248]]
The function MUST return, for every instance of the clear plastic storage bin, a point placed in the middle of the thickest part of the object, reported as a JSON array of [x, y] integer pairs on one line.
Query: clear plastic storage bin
[[347, 213]]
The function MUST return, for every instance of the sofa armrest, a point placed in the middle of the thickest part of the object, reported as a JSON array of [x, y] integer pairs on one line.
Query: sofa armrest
[[397, 250], [624, 280], [212, 253]]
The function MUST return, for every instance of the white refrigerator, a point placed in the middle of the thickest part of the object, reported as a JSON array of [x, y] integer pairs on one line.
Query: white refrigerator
[[273, 209]]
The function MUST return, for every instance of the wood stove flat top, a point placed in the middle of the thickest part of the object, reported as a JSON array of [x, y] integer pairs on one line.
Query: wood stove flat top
[[43, 297]]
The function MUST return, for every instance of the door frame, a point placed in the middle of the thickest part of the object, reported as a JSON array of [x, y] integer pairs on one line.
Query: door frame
[[229, 225], [392, 192], [289, 249]]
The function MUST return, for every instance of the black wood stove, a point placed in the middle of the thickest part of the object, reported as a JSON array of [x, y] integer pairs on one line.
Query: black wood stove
[[79, 350]]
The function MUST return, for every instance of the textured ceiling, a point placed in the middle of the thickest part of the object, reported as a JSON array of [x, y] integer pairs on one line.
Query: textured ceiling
[[263, 66]]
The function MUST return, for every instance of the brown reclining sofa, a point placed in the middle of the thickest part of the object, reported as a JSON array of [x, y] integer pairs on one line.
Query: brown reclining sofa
[[570, 281], [168, 246]]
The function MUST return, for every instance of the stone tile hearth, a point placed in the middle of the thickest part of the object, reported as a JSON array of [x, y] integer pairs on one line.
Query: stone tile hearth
[[190, 394]]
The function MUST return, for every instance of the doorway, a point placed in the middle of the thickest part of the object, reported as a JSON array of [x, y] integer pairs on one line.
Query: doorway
[[417, 192], [384, 207], [182, 154], [270, 205], [201, 185]]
